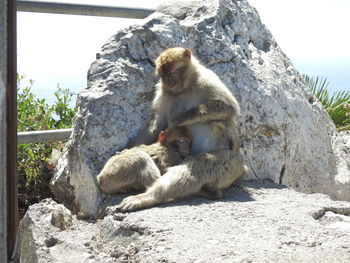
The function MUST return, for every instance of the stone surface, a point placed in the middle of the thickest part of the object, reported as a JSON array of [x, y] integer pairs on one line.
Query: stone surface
[[39, 230], [341, 147], [286, 134], [254, 222]]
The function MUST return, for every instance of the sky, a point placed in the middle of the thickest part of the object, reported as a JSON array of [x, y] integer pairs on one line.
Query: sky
[[56, 49]]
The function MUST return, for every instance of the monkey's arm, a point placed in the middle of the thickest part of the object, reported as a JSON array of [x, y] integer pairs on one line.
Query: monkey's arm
[[150, 131], [212, 111]]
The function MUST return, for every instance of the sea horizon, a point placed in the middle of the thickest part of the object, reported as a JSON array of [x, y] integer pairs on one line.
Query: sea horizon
[[336, 70]]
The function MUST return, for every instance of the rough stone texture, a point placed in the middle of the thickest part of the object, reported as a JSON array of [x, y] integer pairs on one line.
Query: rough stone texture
[[49, 233], [341, 147], [255, 222], [286, 135], [3, 82]]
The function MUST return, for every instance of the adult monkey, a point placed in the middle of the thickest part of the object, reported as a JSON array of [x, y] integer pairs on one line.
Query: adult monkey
[[188, 94]]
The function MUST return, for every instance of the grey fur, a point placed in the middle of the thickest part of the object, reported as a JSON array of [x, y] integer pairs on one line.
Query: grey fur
[[208, 109], [139, 167]]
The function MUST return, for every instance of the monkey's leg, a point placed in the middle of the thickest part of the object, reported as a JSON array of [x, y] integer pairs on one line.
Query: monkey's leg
[[221, 168], [175, 183], [149, 173]]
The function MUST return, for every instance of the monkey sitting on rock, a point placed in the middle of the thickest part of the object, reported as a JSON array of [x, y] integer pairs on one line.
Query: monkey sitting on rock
[[192, 96], [139, 167]]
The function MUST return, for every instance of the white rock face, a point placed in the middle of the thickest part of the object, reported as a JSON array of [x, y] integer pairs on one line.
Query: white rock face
[[286, 135]]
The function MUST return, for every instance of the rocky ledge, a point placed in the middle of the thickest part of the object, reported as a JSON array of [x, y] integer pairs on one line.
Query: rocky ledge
[[286, 135], [254, 222]]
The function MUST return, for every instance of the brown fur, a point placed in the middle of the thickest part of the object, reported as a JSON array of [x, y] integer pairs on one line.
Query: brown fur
[[190, 95], [140, 166]]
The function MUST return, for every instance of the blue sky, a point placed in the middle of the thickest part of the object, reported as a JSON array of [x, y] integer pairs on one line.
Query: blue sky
[[60, 48]]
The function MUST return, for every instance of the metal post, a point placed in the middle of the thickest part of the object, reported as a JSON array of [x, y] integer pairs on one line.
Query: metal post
[[8, 56], [11, 129], [3, 85]]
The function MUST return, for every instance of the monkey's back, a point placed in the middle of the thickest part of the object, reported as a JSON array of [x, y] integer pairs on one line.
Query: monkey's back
[[137, 167], [163, 156]]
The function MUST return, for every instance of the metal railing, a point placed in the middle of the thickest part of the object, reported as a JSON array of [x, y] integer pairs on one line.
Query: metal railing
[[71, 9], [44, 136], [82, 9], [10, 157]]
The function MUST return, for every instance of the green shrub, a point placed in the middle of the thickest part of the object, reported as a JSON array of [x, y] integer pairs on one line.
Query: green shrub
[[33, 160], [337, 104]]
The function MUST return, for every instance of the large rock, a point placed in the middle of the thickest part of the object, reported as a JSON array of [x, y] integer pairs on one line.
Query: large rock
[[286, 134], [255, 222]]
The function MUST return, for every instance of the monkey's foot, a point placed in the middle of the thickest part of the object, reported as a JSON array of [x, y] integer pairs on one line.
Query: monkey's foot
[[134, 202]]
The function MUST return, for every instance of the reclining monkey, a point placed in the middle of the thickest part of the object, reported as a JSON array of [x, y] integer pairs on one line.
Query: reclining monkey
[[139, 167]]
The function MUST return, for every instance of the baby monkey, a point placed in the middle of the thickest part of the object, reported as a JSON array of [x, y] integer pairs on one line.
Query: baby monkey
[[139, 167]]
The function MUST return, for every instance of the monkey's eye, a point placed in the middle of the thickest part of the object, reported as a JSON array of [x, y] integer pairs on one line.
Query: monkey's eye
[[184, 140]]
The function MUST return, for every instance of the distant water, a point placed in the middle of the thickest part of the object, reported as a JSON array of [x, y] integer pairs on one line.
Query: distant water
[[45, 88], [337, 71]]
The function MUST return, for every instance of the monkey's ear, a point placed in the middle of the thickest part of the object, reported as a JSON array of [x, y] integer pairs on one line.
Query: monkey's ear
[[162, 137], [187, 53]]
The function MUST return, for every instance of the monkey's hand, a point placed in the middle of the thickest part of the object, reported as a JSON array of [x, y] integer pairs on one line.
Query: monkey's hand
[[134, 202], [150, 131], [214, 110]]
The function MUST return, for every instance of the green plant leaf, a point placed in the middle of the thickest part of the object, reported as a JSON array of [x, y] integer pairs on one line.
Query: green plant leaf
[[32, 159], [333, 103]]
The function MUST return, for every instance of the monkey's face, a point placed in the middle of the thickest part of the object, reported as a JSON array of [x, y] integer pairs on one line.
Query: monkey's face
[[172, 66], [180, 139], [183, 146], [173, 80]]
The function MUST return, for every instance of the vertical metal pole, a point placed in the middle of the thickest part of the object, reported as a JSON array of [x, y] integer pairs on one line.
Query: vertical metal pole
[[3, 86], [11, 130]]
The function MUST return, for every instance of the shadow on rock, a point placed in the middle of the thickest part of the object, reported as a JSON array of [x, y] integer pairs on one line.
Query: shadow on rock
[[263, 184], [236, 193]]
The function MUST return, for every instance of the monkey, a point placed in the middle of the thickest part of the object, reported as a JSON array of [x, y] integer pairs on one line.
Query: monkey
[[190, 95], [139, 167]]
